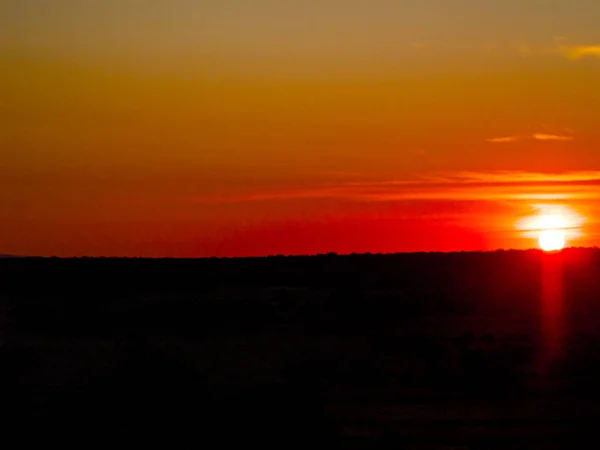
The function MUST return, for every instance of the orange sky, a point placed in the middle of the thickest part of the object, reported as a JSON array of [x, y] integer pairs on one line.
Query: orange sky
[[216, 128]]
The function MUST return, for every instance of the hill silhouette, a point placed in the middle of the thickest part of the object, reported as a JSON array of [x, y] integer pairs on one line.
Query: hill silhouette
[[423, 350]]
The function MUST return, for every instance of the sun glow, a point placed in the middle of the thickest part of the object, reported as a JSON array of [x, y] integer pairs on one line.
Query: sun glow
[[552, 227], [551, 232], [552, 240]]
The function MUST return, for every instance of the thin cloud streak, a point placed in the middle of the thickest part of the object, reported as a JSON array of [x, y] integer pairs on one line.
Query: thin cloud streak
[[459, 186], [500, 140], [535, 136], [509, 176], [551, 137], [580, 51]]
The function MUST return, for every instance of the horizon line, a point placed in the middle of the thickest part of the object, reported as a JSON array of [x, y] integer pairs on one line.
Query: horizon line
[[307, 255]]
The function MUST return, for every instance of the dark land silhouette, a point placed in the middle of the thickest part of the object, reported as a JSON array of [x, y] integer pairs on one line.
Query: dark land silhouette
[[417, 351]]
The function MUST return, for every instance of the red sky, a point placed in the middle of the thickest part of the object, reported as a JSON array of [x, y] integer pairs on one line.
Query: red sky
[[211, 128]]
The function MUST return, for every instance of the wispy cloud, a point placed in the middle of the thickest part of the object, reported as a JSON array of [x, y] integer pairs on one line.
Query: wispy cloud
[[501, 140], [573, 52], [551, 137], [511, 176], [579, 51], [536, 136], [457, 186]]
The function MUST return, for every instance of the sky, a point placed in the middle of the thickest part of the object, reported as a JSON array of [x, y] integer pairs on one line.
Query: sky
[[253, 127]]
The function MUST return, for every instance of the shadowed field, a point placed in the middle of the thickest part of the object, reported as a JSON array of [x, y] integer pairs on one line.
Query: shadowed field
[[419, 351]]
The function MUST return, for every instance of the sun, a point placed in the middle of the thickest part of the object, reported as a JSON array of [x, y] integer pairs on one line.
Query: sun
[[552, 232], [552, 240], [552, 226]]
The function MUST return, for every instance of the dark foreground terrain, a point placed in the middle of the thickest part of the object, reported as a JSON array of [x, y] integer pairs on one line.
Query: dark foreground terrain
[[409, 351]]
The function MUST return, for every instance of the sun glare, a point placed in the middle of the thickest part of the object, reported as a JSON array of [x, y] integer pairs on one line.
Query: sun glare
[[552, 240], [552, 226], [552, 234]]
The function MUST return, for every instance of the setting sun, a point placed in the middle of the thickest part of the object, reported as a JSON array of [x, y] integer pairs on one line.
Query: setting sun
[[552, 240], [552, 226], [552, 234]]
